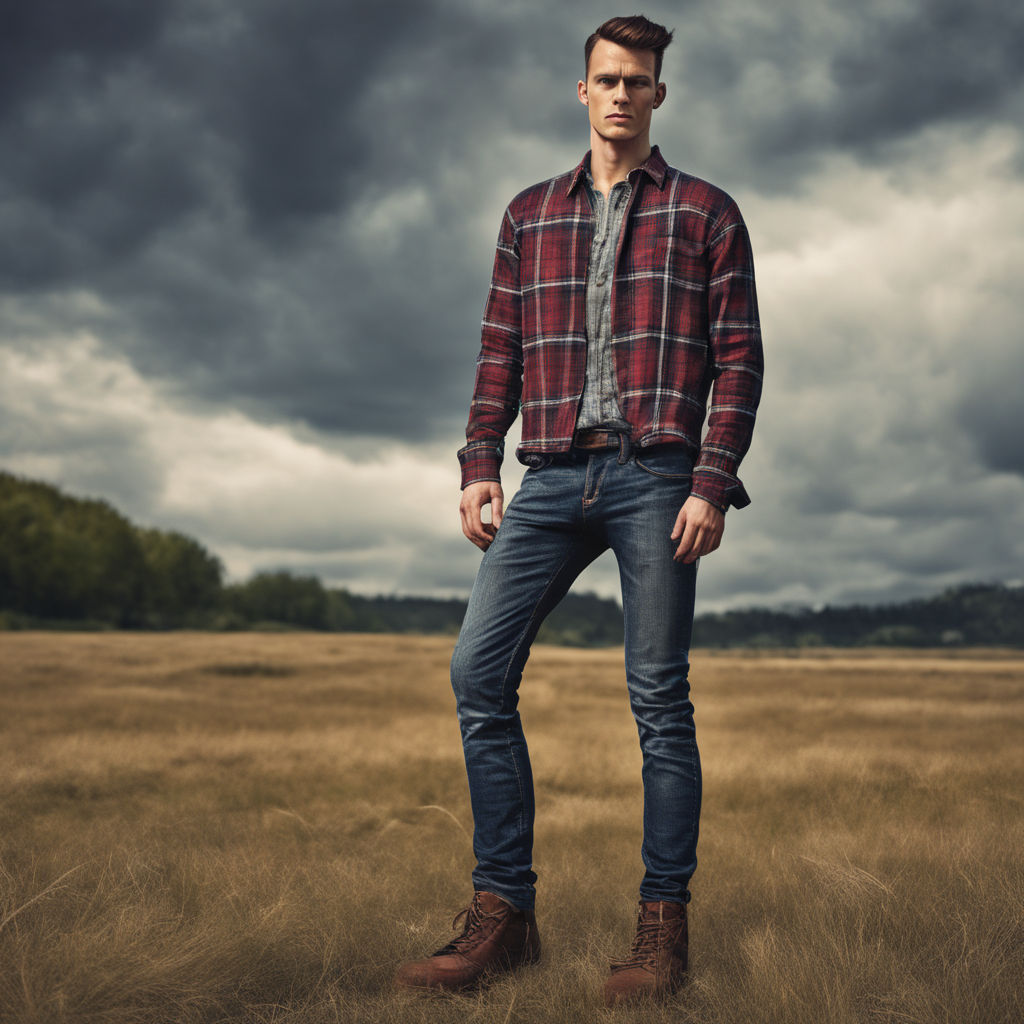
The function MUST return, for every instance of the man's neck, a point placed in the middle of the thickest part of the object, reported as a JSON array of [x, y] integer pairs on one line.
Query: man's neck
[[612, 161]]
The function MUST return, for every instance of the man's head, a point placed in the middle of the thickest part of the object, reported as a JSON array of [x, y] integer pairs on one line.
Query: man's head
[[622, 87], [634, 33]]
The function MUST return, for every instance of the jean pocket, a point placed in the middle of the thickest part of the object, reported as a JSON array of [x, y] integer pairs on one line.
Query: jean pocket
[[669, 463]]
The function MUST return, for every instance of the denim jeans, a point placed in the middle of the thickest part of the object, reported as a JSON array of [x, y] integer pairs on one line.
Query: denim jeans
[[568, 510]]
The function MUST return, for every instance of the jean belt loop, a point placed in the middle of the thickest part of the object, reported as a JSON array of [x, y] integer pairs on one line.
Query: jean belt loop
[[625, 449]]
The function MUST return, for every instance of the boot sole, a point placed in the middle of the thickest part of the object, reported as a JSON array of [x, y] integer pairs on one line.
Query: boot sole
[[485, 977]]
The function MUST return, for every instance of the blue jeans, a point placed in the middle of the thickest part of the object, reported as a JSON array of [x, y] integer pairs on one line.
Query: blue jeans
[[568, 510]]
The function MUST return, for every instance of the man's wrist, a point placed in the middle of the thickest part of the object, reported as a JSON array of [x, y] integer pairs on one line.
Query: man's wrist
[[482, 480], [721, 508]]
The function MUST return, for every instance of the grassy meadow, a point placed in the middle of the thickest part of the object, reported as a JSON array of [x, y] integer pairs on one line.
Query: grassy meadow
[[260, 827]]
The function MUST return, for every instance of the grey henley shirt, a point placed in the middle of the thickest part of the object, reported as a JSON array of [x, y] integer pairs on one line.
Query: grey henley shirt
[[599, 406]]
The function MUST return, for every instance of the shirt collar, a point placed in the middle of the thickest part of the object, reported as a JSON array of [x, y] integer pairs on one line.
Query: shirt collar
[[654, 165]]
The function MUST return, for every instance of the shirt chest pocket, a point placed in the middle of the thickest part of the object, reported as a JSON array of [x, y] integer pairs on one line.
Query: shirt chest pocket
[[684, 258]]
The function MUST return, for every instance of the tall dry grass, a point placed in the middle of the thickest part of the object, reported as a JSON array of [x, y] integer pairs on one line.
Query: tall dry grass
[[260, 828]]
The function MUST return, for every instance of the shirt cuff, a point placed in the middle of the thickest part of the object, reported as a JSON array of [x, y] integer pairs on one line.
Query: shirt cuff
[[720, 490], [480, 460]]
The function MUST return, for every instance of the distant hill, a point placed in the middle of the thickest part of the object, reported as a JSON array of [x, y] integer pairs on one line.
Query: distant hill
[[976, 614], [68, 562]]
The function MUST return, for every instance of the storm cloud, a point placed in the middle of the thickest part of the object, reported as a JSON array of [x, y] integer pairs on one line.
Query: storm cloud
[[244, 249]]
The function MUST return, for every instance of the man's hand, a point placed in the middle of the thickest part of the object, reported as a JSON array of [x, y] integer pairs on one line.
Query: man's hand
[[698, 529], [474, 497]]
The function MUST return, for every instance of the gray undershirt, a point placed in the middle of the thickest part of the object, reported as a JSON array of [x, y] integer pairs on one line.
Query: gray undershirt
[[599, 406]]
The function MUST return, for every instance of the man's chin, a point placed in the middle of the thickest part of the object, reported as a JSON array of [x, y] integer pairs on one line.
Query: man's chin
[[617, 133]]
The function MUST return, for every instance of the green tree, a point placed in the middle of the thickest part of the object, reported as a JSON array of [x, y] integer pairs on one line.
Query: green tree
[[184, 579], [63, 557], [281, 597]]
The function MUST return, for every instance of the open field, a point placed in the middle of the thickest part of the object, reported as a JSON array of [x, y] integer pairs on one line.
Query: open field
[[261, 827]]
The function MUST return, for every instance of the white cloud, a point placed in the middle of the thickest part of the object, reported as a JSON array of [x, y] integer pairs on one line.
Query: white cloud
[[887, 294], [258, 494], [888, 228]]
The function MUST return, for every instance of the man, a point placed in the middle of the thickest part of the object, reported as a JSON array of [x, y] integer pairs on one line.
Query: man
[[622, 294]]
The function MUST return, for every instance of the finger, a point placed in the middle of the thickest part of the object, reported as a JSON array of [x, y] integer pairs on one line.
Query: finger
[[468, 531], [472, 525], [691, 536], [683, 547], [484, 532], [708, 541], [680, 525], [482, 541], [497, 507], [698, 545], [696, 550]]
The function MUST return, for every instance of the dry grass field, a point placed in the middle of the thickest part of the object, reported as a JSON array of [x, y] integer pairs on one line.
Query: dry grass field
[[260, 828]]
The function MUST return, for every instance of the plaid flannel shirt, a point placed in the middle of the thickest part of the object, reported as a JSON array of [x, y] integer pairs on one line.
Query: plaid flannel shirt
[[684, 324]]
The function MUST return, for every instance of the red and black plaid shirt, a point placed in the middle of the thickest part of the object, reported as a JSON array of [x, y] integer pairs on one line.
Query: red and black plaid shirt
[[684, 323]]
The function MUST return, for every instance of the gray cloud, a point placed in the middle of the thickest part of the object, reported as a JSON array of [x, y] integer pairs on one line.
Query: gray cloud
[[990, 409], [48, 40], [289, 210], [818, 76], [203, 168]]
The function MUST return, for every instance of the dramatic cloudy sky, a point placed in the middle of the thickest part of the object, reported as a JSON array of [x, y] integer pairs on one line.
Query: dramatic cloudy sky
[[244, 248]]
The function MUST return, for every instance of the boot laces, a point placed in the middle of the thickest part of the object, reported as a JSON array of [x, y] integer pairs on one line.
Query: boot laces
[[476, 922], [652, 935]]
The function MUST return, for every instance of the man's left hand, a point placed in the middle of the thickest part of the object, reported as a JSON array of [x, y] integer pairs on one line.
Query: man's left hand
[[699, 527]]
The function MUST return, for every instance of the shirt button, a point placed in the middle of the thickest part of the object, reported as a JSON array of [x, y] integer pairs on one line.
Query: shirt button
[[601, 279]]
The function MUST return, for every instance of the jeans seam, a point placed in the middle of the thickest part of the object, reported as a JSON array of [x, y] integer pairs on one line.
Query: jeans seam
[[504, 681], [587, 502], [679, 477], [662, 476], [519, 780]]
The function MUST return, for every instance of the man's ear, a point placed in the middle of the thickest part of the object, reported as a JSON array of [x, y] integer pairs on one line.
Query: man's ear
[[659, 94], [581, 92]]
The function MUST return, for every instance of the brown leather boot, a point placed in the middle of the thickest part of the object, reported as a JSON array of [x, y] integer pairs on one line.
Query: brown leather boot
[[496, 937], [656, 963]]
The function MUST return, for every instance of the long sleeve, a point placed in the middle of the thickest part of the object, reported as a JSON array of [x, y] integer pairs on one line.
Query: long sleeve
[[499, 367], [736, 363]]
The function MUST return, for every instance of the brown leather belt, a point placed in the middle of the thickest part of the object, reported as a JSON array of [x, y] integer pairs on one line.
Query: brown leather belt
[[596, 439]]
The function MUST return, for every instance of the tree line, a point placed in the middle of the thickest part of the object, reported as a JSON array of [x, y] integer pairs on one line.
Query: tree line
[[973, 614], [79, 563]]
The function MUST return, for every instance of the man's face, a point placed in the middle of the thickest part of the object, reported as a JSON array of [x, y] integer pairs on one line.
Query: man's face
[[620, 91]]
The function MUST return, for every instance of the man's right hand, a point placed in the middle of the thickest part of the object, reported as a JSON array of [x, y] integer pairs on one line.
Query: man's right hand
[[474, 497]]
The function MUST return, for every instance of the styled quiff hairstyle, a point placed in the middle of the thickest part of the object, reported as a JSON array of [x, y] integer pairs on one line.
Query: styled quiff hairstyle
[[635, 33]]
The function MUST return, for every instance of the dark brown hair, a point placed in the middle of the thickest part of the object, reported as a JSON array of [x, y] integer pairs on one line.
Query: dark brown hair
[[635, 33]]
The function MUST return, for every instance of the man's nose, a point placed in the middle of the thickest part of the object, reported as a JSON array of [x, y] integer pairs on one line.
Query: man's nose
[[621, 92]]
